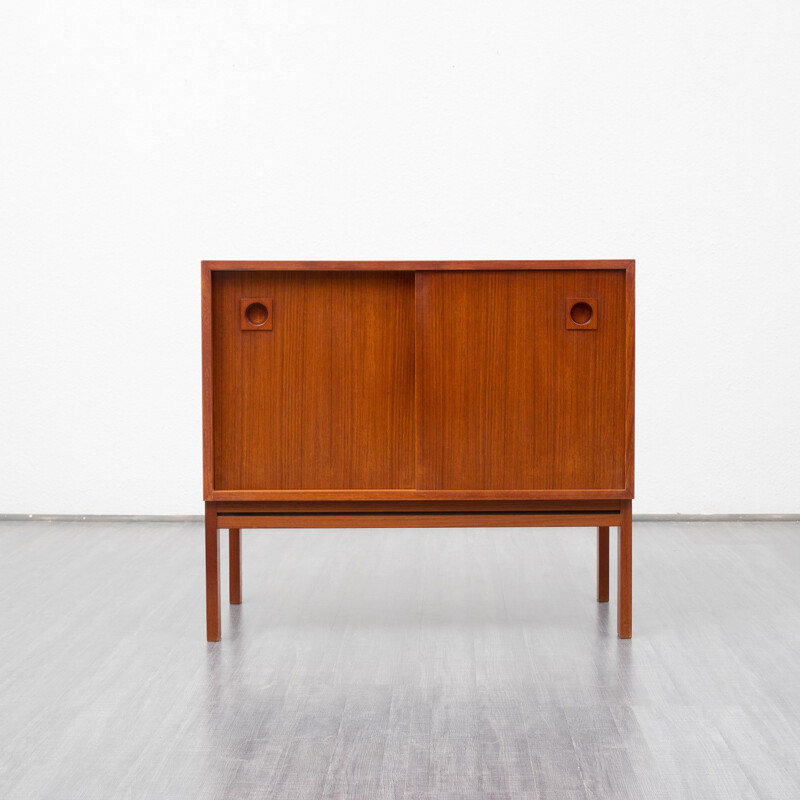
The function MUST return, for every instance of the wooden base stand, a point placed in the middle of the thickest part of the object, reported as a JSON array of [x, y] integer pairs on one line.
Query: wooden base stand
[[235, 516]]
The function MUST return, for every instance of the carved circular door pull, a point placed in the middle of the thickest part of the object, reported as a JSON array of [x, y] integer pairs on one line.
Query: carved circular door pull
[[256, 314], [581, 313]]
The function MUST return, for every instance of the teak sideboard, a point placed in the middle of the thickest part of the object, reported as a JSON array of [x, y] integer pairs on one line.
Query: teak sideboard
[[417, 393]]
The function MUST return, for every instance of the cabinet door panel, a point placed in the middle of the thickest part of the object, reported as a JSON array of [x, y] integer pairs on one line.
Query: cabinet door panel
[[325, 398], [508, 396], [475, 380]]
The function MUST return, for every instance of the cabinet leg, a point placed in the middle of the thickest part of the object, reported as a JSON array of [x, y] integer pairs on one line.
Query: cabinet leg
[[602, 565], [213, 611], [235, 563], [624, 576]]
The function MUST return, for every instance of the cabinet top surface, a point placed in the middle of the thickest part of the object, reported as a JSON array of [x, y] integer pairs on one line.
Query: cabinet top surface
[[411, 266]]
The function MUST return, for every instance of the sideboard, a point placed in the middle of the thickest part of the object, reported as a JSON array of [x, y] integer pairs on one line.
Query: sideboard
[[418, 393]]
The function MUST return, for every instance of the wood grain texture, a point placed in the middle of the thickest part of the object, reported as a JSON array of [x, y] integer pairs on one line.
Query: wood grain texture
[[580, 412], [507, 397], [325, 399], [474, 380]]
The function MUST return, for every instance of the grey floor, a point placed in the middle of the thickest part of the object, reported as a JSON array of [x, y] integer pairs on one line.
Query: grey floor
[[438, 663]]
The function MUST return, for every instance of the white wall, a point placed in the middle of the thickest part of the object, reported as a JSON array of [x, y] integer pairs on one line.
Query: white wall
[[139, 138]]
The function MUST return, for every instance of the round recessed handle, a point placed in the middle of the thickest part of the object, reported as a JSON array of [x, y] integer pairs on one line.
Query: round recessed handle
[[256, 314], [581, 313]]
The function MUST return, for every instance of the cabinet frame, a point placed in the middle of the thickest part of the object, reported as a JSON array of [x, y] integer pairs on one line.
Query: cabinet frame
[[327, 508], [210, 494]]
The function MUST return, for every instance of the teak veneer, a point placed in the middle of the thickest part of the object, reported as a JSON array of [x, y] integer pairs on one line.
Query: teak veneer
[[418, 394]]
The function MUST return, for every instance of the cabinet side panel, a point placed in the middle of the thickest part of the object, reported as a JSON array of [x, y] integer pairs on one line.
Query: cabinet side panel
[[580, 378], [325, 398]]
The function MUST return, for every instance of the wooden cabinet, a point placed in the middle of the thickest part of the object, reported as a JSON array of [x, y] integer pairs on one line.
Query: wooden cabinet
[[344, 394]]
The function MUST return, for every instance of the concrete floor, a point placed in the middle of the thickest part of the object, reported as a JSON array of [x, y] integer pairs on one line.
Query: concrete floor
[[440, 663]]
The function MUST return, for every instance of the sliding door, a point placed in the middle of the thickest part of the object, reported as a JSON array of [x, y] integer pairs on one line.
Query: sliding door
[[520, 379], [313, 380]]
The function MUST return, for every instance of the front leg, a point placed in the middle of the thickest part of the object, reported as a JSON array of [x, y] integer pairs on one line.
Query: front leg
[[213, 611], [624, 573]]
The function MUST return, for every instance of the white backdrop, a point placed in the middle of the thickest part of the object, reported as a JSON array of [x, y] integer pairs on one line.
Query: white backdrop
[[138, 138]]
